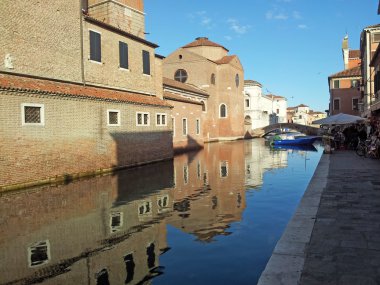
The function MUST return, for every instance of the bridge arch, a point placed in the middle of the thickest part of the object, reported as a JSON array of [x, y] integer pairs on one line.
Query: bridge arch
[[308, 130]]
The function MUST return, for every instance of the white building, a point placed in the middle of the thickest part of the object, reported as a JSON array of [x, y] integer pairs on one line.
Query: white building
[[262, 110], [299, 114]]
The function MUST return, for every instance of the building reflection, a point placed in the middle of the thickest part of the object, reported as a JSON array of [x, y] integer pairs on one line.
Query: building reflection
[[112, 229]]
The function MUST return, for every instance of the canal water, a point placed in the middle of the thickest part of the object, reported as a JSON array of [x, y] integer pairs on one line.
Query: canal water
[[208, 217]]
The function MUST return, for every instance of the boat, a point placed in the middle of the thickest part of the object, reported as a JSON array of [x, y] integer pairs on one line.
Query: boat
[[300, 147], [298, 140]]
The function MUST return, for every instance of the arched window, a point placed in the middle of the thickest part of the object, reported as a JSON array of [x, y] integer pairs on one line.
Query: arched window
[[180, 75], [213, 79], [223, 111], [237, 80], [203, 106]]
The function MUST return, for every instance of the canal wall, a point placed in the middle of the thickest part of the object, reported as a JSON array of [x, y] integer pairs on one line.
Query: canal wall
[[74, 138], [288, 258]]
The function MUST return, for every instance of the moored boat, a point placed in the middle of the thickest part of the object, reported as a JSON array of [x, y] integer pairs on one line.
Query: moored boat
[[301, 140]]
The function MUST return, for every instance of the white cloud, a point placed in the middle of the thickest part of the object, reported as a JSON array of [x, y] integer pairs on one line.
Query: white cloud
[[297, 15], [236, 27], [302, 26], [275, 15], [201, 18], [228, 38]]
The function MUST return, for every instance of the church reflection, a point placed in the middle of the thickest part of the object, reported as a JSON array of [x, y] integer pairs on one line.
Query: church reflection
[[113, 229]]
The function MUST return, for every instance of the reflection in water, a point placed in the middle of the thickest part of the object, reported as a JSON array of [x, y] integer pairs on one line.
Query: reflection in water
[[116, 229]]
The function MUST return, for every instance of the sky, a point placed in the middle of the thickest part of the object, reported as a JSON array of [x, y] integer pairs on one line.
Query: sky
[[289, 46]]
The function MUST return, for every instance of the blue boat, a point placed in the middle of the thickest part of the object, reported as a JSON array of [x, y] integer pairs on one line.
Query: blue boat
[[301, 140]]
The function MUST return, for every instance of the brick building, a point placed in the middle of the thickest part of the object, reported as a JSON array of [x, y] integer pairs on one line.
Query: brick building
[[80, 90], [344, 86], [208, 66], [188, 114]]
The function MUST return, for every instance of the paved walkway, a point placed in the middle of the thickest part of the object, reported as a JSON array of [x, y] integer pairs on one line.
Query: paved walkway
[[334, 237]]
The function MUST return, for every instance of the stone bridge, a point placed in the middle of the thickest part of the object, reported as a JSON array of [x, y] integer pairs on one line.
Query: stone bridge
[[308, 130]]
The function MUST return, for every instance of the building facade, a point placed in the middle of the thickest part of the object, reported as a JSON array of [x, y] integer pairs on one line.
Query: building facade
[[262, 110], [81, 101], [208, 66], [344, 86], [369, 41], [188, 114]]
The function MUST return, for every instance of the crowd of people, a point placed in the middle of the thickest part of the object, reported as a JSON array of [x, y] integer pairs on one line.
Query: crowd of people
[[348, 136]]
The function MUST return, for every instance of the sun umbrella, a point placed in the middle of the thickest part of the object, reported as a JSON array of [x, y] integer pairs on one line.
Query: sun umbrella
[[339, 119]]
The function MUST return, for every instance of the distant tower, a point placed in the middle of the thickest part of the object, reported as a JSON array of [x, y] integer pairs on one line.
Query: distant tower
[[345, 51]]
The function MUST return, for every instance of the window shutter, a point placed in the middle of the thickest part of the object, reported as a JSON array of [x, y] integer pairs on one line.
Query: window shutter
[[146, 62], [95, 47], [123, 55]]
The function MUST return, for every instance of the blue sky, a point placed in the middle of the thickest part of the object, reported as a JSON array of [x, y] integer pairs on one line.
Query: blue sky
[[289, 46]]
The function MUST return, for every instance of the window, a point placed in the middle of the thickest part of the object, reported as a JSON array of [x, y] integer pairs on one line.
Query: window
[[145, 208], [354, 83], [95, 46], [160, 119], [223, 169], [129, 267], [223, 111], [39, 253], [376, 37], [185, 174], [146, 62], [116, 221], [278, 111], [237, 80], [151, 256], [123, 55], [180, 75], [163, 203], [300, 117], [203, 106], [355, 104], [184, 126], [198, 127], [247, 103], [142, 119], [173, 125], [336, 84], [199, 169], [113, 117], [336, 104], [102, 277], [213, 79], [32, 114]]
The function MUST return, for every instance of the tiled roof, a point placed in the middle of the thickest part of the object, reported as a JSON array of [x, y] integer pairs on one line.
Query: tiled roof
[[351, 72], [172, 96], [119, 31], [50, 87], [302, 105], [274, 96], [252, 83], [225, 60], [373, 26], [203, 41], [354, 53], [183, 86]]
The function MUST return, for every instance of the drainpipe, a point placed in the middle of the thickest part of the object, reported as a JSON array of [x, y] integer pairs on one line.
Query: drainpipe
[[81, 43]]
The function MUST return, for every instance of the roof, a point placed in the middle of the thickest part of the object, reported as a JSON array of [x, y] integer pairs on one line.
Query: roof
[[274, 96], [372, 26], [252, 83], [225, 60], [302, 105], [119, 31], [51, 87], [175, 97], [354, 53], [183, 86], [203, 41], [350, 72]]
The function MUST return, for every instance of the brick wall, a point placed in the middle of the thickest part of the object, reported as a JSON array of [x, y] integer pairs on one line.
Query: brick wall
[[119, 15], [108, 72], [75, 137], [199, 71], [191, 112], [34, 40]]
